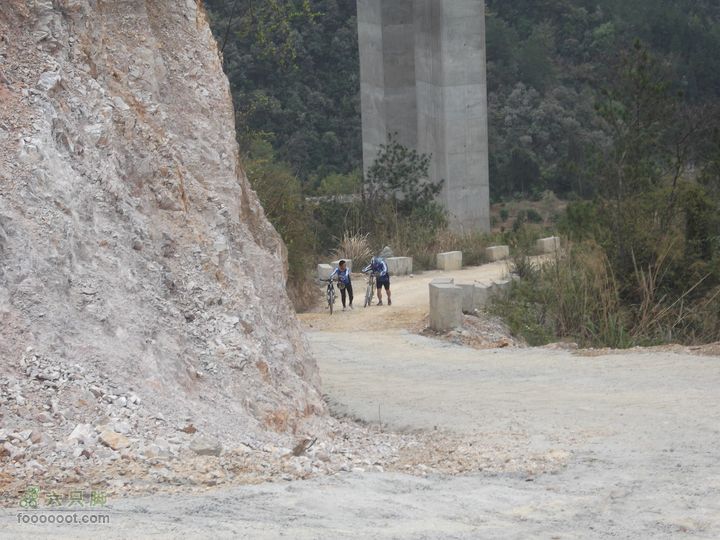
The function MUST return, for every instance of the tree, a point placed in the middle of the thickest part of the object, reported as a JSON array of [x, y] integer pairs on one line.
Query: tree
[[400, 174]]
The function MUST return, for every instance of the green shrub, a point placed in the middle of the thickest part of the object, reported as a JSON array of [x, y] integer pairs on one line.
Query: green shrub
[[574, 296]]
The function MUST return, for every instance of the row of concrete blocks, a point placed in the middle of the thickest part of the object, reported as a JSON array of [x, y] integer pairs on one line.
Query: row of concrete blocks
[[448, 301], [397, 266], [452, 260]]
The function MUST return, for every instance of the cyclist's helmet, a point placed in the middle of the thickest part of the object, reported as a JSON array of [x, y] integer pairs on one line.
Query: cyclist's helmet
[[374, 260]]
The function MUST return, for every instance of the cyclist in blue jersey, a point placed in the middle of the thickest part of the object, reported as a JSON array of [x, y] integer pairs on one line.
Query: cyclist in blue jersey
[[379, 267], [344, 283]]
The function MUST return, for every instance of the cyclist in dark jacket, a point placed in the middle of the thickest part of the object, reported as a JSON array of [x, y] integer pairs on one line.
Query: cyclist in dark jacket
[[344, 283], [379, 267]]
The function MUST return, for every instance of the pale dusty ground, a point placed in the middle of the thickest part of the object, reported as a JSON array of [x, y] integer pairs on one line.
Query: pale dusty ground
[[639, 432]]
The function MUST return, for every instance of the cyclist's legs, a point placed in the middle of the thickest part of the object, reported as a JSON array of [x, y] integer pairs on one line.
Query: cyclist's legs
[[342, 295], [383, 282], [349, 290]]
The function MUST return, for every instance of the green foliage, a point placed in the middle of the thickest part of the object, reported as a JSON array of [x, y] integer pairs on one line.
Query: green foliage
[[294, 72], [529, 216], [548, 62], [573, 297], [400, 174], [341, 184], [280, 193], [651, 273]]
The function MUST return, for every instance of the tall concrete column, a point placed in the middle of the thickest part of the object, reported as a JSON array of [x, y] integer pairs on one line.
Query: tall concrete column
[[423, 76], [387, 73]]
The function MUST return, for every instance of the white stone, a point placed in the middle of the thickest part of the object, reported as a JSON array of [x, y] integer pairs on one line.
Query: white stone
[[399, 266], [120, 104], [548, 245], [482, 294], [84, 433], [497, 253], [502, 286], [48, 81], [451, 260], [204, 446], [445, 307]]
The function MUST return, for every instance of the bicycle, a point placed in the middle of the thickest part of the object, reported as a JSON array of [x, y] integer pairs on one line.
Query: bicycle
[[330, 294], [370, 291]]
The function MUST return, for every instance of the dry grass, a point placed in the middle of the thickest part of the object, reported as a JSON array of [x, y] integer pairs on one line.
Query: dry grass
[[354, 246]]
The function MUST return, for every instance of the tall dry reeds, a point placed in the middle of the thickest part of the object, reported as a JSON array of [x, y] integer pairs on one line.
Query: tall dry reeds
[[354, 246], [577, 296]]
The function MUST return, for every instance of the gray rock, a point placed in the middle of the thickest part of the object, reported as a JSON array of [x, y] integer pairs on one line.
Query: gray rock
[[122, 427], [121, 401], [48, 81], [205, 446], [141, 161], [83, 433], [13, 451]]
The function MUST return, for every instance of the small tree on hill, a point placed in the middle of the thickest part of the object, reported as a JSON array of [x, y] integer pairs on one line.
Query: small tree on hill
[[400, 175]]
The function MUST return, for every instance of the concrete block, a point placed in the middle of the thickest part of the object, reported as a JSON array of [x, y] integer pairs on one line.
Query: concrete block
[[347, 261], [399, 266], [501, 287], [324, 271], [468, 291], [548, 245], [497, 253], [443, 281], [482, 295], [445, 307], [452, 260]]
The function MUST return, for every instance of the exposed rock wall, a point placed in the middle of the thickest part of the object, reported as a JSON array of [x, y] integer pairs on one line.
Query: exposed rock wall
[[131, 244]]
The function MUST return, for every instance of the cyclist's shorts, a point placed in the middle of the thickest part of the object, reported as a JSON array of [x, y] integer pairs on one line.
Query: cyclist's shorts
[[383, 281]]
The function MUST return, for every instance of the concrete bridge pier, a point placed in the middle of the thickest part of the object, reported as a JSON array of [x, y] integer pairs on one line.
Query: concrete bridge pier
[[423, 76]]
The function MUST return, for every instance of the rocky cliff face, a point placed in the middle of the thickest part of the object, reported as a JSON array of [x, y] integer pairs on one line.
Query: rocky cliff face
[[139, 278]]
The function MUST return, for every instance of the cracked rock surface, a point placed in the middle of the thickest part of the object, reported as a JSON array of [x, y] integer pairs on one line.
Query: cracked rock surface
[[141, 286]]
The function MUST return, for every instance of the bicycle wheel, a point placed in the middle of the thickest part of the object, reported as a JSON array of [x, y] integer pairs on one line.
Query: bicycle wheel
[[369, 292], [331, 298]]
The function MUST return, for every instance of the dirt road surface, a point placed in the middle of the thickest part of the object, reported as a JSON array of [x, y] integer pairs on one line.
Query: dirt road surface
[[639, 432]]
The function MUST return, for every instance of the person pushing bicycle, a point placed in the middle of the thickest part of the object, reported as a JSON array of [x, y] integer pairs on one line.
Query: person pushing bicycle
[[344, 282], [379, 267]]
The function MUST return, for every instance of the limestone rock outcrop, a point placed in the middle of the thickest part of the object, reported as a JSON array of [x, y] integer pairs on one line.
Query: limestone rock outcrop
[[132, 248]]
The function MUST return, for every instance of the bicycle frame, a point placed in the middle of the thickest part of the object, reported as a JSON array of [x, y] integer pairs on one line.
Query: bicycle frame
[[330, 294], [370, 291]]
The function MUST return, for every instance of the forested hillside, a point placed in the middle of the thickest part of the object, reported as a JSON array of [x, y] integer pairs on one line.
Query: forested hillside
[[551, 61], [294, 70], [293, 67]]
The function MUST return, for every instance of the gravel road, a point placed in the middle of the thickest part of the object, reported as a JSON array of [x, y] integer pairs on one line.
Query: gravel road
[[641, 432]]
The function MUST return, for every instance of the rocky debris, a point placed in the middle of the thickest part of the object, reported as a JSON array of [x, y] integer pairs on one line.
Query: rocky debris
[[114, 440], [480, 331], [343, 446], [138, 271], [205, 446], [83, 433], [48, 81]]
